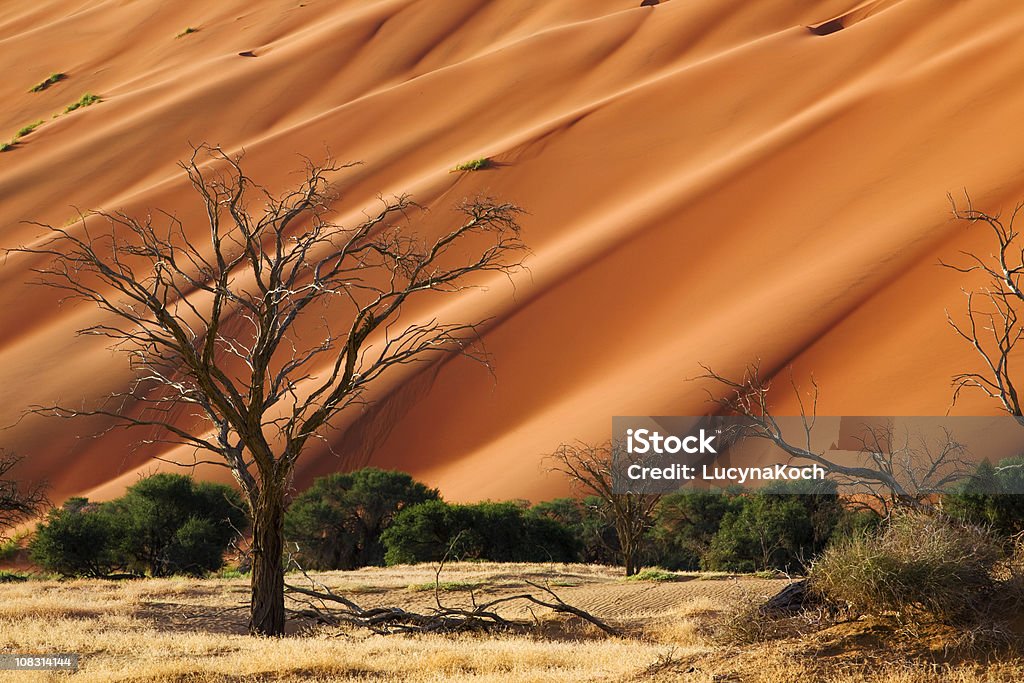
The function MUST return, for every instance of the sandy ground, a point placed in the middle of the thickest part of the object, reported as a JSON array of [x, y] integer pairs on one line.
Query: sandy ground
[[707, 180]]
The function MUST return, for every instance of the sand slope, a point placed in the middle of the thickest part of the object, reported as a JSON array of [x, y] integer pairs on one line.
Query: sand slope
[[707, 181]]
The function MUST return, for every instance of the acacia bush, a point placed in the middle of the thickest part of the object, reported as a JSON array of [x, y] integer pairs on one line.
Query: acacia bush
[[79, 539], [164, 524], [685, 526], [993, 496], [587, 520], [337, 522], [499, 532], [171, 524], [782, 526], [919, 564]]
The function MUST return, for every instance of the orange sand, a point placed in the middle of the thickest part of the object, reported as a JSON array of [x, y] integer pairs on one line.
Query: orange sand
[[708, 181]]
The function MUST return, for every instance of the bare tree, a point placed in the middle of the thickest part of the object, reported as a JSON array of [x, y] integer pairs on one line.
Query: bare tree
[[17, 502], [922, 467], [594, 468], [270, 325], [993, 327], [894, 469]]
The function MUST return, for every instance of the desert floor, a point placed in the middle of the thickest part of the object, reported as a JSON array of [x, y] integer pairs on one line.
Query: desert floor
[[194, 630]]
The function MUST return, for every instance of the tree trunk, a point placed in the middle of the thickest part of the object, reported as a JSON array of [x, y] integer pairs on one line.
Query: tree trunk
[[628, 551], [267, 579]]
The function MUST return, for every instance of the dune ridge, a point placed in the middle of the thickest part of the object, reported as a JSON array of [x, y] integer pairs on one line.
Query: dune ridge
[[707, 181]]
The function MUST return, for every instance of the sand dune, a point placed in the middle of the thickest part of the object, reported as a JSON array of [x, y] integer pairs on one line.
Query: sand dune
[[707, 181]]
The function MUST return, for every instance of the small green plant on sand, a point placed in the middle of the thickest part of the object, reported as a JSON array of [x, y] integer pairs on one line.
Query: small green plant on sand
[[25, 130], [475, 165], [84, 101], [50, 80], [445, 586], [188, 30], [655, 574]]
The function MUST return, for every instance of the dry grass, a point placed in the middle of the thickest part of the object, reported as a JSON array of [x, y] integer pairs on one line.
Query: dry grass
[[194, 630]]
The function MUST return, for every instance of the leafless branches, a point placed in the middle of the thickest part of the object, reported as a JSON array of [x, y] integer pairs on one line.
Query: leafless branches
[[923, 468], [993, 327], [895, 468], [324, 606], [594, 468], [17, 502], [250, 333]]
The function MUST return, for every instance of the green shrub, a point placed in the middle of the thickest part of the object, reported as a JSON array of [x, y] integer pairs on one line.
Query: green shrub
[[187, 31], [25, 130], [165, 524], [499, 532], [782, 526], [428, 531], [85, 100], [594, 531], [656, 574], [6, 146], [337, 522], [13, 577], [50, 80], [79, 539], [992, 496], [175, 525], [9, 548], [917, 564], [445, 586], [685, 524], [230, 573], [475, 165]]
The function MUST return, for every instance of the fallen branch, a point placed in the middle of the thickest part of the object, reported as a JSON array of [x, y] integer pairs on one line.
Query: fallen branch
[[321, 604]]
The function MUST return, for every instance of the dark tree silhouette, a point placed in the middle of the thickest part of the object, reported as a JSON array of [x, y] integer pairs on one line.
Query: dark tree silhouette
[[993, 327], [593, 468], [17, 502], [268, 327]]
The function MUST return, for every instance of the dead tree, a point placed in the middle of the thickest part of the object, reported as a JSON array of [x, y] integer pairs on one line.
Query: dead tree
[[893, 470], [993, 326], [923, 468], [267, 322], [593, 468], [17, 502]]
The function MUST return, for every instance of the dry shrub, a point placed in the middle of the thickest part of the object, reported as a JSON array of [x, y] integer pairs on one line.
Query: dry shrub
[[918, 565], [745, 623]]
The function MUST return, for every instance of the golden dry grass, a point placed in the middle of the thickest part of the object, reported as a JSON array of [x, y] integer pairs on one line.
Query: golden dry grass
[[194, 630]]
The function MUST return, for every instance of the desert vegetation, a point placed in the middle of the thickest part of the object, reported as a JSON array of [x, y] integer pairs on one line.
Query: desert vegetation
[[86, 100], [164, 524], [22, 132], [480, 164], [52, 79]]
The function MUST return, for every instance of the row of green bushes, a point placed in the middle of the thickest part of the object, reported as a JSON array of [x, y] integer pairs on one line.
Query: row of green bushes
[[168, 524], [371, 517]]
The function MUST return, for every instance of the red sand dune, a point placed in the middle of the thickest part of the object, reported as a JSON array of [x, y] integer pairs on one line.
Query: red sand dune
[[708, 181]]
